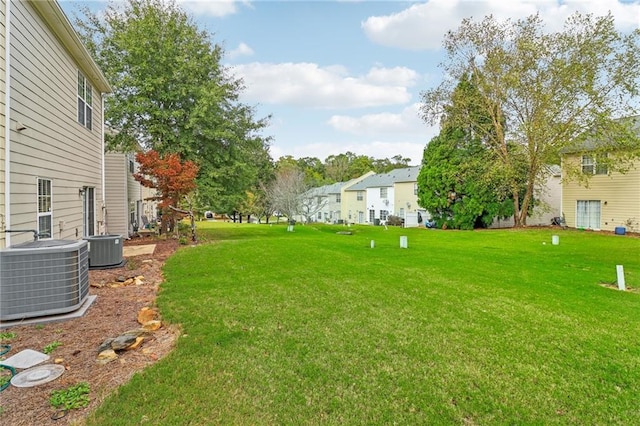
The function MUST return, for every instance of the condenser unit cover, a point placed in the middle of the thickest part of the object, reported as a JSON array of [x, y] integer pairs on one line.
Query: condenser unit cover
[[40, 278], [105, 251]]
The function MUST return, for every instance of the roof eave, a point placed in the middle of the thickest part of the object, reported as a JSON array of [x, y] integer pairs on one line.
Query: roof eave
[[54, 16]]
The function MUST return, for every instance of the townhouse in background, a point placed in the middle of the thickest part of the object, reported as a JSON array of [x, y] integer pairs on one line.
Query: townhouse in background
[[52, 161], [372, 198], [129, 205], [610, 200], [548, 200]]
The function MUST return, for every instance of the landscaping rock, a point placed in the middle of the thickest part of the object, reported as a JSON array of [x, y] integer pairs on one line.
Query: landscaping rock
[[152, 325], [106, 356], [105, 345], [135, 344], [147, 314], [123, 341]]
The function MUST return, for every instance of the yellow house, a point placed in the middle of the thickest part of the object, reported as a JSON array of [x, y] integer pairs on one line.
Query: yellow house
[[353, 204], [609, 200]]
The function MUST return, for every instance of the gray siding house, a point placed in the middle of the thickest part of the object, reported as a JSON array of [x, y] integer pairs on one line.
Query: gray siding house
[[127, 200], [51, 126]]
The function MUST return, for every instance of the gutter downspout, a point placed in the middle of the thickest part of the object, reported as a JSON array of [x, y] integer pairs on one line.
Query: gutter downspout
[[104, 185], [7, 122]]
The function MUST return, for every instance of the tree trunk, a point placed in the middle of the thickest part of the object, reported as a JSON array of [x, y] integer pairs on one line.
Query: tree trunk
[[516, 208], [193, 228]]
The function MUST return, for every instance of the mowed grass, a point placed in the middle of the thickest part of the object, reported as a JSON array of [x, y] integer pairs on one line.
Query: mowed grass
[[313, 327]]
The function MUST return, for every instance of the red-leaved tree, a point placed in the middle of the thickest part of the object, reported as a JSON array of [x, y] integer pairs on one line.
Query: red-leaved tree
[[173, 179]]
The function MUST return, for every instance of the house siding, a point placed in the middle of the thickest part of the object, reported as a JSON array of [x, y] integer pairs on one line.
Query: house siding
[[2, 127], [352, 210], [619, 196], [377, 203], [116, 173], [53, 145], [405, 198], [351, 207]]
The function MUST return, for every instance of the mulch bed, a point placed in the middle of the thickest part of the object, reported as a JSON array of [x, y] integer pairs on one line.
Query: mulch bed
[[113, 312]]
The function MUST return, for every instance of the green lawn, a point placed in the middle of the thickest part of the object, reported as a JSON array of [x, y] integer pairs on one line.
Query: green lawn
[[312, 327]]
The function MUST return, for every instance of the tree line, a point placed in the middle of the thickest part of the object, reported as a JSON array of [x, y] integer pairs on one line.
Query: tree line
[[516, 97], [173, 96]]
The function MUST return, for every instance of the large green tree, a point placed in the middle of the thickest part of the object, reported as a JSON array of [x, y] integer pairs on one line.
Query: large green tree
[[543, 92], [458, 183], [172, 94]]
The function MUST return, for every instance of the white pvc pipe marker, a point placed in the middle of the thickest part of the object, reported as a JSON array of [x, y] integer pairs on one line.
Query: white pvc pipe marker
[[620, 272]]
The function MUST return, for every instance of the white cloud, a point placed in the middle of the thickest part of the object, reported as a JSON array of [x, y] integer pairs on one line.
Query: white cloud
[[216, 8], [408, 121], [422, 26], [400, 76], [309, 85], [242, 50]]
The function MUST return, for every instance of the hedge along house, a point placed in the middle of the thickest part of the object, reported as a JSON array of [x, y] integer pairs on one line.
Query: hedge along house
[[608, 199], [51, 127]]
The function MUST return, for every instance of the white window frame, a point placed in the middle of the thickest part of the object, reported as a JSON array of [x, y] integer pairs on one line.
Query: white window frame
[[338, 198], [85, 102], [591, 166], [44, 206], [360, 195], [383, 192]]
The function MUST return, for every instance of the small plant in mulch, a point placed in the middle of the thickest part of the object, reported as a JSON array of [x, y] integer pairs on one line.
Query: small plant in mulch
[[7, 335], [6, 373], [51, 347], [71, 398], [132, 264]]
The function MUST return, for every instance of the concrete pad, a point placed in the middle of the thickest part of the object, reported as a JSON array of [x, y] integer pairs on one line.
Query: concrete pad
[[52, 318], [129, 251], [25, 359]]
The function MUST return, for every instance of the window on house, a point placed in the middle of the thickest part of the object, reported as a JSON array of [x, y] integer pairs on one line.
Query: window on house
[[338, 198], [132, 168], [360, 195], [415, 189], [45, 214], [384, 214], [591, 166], [383, 192], [85, 102]]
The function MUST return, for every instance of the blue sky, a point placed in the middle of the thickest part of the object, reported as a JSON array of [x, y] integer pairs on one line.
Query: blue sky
[[340, 76]]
